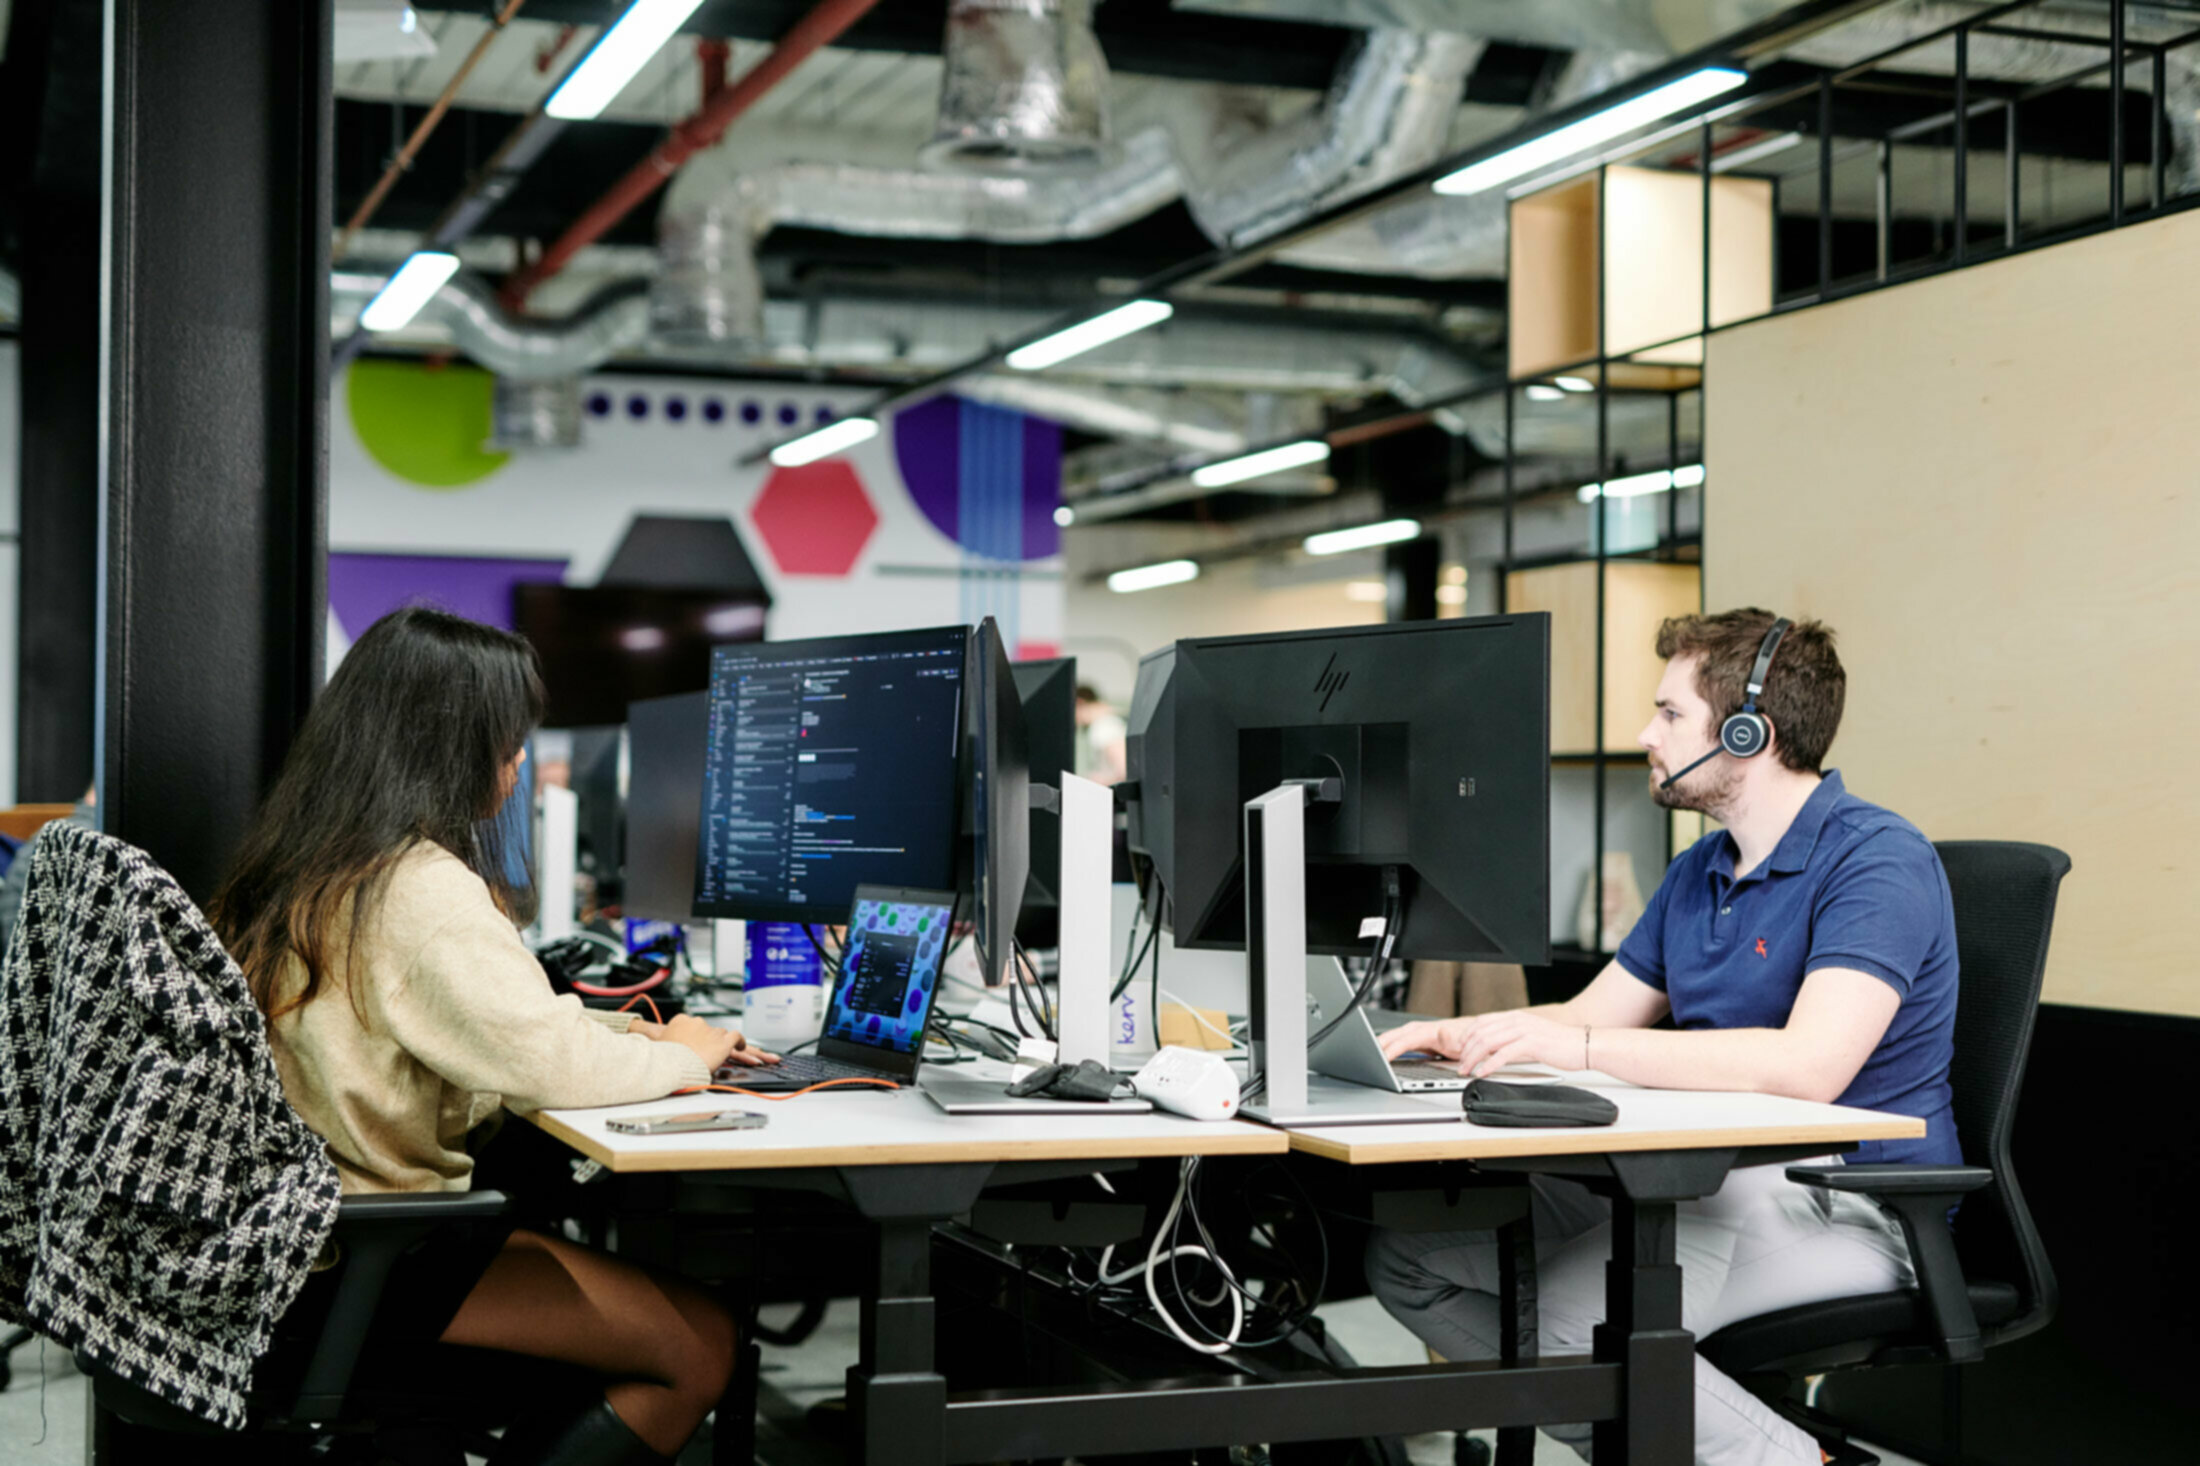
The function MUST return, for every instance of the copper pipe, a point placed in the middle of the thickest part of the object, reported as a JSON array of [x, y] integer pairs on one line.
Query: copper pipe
[[402, 163], [816, 30]]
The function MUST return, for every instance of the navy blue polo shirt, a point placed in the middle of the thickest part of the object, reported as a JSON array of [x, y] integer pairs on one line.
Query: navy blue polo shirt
[[1849, 885]]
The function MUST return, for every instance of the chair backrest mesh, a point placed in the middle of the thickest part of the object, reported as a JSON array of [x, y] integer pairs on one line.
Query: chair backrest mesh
[[2004, 895]]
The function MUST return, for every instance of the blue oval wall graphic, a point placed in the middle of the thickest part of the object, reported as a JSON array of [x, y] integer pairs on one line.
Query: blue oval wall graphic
[[987, 478]]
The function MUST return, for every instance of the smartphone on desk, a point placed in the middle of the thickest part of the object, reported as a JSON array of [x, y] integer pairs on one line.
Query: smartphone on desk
[[688, 1123]]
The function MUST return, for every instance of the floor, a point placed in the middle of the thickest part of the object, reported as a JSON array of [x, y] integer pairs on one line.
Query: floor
[[42, 1413]]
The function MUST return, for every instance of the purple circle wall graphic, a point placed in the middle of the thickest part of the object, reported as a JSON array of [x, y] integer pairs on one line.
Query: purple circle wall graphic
[[987, 478]]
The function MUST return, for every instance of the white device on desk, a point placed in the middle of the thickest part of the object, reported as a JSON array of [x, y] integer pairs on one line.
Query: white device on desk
[[1085, 977], [1196, 1085]]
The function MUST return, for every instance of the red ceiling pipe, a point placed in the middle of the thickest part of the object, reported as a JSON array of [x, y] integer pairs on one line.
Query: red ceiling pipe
[[818, 29]]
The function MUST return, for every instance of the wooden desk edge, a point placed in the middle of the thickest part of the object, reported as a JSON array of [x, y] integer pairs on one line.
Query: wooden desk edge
[[1234, 1138], [1458, 1144]]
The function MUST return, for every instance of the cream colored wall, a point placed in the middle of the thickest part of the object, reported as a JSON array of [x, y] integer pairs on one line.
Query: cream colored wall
[[1986, 483]]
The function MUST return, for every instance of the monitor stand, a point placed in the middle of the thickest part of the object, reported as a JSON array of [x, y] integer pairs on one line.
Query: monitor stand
[[1083, 978], [1275, 948]]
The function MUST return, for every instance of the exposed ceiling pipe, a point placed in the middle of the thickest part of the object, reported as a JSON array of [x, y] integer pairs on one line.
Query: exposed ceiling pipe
[[819, 28], [403, 162], [1388, 112], [915, 336], [1023, 89]]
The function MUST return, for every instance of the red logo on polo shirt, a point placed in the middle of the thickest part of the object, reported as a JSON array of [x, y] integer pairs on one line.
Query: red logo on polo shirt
[[1761, 948]]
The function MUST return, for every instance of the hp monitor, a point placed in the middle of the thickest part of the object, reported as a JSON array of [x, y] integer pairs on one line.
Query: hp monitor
[[1048, 691], [664, 798]]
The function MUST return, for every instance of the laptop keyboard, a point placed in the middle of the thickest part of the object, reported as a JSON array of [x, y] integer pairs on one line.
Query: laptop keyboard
[[799, 1069], [1426, 1069]]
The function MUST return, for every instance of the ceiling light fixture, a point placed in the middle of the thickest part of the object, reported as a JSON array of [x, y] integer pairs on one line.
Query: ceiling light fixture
[[1537, 392], [1267, 461], [1742, 157], [1363, 537], [1657, 481], [1108, 326], [1562, 143], [404, 293], [1575, 384], [1151, 577], [825, 442], [617, 56], [1065, 516]]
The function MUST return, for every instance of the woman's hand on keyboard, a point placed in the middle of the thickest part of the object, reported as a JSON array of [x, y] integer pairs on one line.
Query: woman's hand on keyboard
[[716, 1047]]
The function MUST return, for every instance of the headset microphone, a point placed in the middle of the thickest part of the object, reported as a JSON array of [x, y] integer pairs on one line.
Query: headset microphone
[[1744, 734], [1684, 773]]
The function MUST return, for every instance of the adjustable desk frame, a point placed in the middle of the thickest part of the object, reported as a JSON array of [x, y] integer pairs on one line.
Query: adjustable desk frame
[[1638, 1387]]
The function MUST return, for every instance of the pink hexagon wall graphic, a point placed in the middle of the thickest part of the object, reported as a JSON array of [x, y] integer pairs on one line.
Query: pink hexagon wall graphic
[[816, 519]]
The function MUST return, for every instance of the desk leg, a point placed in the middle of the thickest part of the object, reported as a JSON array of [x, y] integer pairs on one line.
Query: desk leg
[[1522, 1338], [1642, 1332], [897, 1402]]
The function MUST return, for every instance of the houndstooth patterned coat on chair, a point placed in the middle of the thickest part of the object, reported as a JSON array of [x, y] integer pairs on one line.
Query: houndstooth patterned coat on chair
[[160, 1202]]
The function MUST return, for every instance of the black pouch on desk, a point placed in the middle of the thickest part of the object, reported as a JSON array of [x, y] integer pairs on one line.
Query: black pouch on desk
[[1535, 1105], [1089, 1080]]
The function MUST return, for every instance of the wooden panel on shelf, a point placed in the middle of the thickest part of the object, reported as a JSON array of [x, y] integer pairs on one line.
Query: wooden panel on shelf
[[1641, 375], [1551, 295], [1654, 259], [24, 820], [1639, 594]]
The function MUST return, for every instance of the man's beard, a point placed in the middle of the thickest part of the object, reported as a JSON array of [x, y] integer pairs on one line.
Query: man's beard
[[1709, 789]]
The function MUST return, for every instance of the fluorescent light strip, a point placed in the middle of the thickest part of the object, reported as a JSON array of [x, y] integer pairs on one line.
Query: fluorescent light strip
[[1363, 537], [1657, 481], [1254, 465], [825, 442], [1085, 335], [413, 286], [1575, 384], [617, 55], [1537, 392], [1151, 577], [1562, 143], [1742, 157]]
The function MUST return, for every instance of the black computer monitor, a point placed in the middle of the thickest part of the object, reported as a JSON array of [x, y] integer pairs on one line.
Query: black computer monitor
[[604, 646], [830, 764], [1439, 733], [1048, 691], [664, 804], [998, 810]]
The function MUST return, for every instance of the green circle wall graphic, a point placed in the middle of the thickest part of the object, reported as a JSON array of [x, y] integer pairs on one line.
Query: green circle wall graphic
[[426, 425]]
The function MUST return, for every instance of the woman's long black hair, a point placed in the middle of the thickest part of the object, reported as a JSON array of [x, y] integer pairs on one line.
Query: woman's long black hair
[[407, 743]]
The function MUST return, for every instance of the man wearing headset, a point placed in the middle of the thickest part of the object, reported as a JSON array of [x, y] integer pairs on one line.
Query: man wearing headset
[[1807, 949]]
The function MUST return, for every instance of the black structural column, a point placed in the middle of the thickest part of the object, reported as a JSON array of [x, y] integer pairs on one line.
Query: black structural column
[[216, 375], [52, 100]]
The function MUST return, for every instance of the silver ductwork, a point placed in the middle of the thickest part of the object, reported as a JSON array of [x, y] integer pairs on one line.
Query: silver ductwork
[[1023, 89], [1388, 112], [526, 348], [1436, 236], [534, 416], [708, 289], [914, 337]]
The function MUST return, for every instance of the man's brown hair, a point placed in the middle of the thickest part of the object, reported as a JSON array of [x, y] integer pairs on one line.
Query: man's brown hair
[[1803, 693]]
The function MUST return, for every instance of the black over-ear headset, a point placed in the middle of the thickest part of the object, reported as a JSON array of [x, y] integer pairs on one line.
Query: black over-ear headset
[[1744, 734]]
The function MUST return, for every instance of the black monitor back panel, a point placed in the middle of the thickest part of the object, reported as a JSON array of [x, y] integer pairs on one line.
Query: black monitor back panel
[[1049, 693], [664, 800], [1440, 733]]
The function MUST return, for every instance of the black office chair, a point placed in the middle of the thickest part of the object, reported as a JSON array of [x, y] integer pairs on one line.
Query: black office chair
[[1988, 1281], [319, 1380]]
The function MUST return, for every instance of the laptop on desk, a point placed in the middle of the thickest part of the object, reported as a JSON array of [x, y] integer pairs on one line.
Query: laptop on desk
[[1353, 1051], [881, 1000]]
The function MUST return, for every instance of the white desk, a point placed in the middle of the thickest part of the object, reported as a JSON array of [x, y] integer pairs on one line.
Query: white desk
[[1649, 1120], [897, 1127]]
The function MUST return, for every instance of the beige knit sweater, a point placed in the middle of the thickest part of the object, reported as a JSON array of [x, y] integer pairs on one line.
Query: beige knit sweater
[[458, 1020]]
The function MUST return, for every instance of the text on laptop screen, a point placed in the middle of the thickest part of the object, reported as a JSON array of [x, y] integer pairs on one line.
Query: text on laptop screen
[[889, 970]]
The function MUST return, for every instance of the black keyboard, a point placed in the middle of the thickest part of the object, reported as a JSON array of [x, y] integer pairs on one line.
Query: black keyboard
[[796, 1071]]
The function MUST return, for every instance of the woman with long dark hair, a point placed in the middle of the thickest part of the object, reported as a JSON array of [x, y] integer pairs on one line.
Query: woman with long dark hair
[[370, 910]]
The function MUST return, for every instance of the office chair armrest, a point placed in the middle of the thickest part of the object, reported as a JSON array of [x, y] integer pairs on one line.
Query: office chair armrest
[[374, 1231], [1919, 1197], [1894, 1179]]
